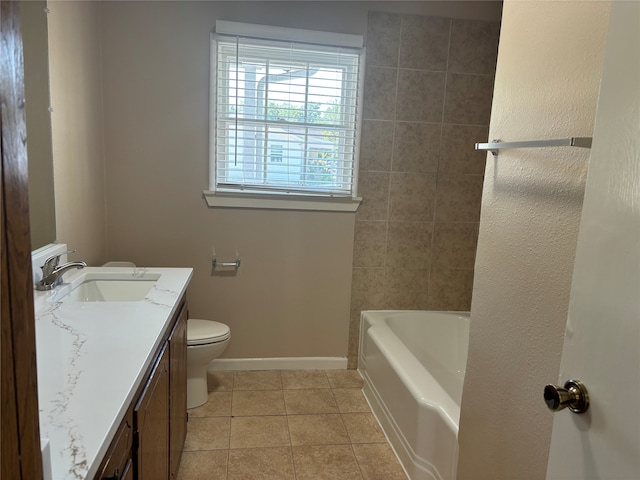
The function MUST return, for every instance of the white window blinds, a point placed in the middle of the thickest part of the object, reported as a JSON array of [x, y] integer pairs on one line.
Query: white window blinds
[[285, 116]]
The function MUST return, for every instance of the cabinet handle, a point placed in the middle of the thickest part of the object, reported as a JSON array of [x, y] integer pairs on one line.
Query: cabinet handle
[[115, 476]]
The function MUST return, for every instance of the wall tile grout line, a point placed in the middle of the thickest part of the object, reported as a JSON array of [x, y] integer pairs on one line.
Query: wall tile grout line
[[451, 56]]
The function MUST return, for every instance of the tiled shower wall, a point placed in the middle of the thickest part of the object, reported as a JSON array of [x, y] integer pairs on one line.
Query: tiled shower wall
[[427, 101]]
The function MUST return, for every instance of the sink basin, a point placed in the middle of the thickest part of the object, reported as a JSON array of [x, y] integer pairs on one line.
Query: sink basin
[[108, 287]]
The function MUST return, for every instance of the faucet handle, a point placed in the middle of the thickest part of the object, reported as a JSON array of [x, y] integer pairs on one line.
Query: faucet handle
[[52, 262]]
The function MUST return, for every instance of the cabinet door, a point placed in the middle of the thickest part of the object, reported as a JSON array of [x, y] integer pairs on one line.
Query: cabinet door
[[151, 423], [119, 453], [128, 471], [178, 391]]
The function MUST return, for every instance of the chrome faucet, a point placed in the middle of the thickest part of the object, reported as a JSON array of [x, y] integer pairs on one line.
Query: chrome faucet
[[52, 272]]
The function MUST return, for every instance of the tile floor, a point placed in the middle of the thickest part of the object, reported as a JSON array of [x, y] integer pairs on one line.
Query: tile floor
[[286, 425]]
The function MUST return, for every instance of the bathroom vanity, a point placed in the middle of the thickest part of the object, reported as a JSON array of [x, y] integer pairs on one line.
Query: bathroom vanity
[[112, 376]]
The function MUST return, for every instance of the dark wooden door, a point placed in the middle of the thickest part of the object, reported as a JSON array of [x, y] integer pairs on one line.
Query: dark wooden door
[[151, 424], [20, 439], [178, 392]]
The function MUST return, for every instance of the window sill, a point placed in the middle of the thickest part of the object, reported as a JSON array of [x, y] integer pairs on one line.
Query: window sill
[[281, 202]]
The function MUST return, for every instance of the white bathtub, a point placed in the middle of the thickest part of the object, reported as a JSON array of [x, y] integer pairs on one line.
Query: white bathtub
[[413, 365]]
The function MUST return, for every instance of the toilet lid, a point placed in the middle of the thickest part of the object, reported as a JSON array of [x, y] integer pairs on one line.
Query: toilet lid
[[200, 332]]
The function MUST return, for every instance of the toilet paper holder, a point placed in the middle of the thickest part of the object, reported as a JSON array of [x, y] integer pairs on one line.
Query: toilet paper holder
[[215, 263]]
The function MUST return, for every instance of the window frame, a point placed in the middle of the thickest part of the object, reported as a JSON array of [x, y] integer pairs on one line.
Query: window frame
[[254, 197]]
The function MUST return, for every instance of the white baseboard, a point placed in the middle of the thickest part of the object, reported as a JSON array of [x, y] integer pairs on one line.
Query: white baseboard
[[280, 363]]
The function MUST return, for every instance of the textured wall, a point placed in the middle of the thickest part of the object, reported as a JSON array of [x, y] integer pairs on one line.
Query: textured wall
[[76, 125], [427, 100], [547, 82]]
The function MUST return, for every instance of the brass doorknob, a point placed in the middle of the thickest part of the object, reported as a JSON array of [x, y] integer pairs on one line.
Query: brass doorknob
[[574, 395]]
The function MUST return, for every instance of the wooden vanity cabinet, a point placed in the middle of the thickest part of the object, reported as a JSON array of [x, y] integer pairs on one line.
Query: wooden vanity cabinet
[[151, 424], [118, 457], [128, 471], [149, 441], [177, 392]]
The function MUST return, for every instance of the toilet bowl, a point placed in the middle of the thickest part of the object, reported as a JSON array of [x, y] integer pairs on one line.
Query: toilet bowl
[[206, 340]]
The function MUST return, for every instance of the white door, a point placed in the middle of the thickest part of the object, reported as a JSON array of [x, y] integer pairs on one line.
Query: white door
[[602, 343]]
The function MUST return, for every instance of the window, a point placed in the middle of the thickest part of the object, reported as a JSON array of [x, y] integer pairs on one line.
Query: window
[[276, 153], [284, 112]]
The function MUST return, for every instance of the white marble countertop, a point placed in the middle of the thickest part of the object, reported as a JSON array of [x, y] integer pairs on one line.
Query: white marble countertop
[[92, 357]]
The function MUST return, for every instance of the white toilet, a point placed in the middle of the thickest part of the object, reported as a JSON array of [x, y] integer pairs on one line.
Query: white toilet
[[206, 340]]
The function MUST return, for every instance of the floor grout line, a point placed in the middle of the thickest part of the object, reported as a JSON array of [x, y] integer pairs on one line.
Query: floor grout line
[[335, 383]]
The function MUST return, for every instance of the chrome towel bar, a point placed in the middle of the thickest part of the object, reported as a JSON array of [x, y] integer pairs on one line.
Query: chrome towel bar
[[495, 146]]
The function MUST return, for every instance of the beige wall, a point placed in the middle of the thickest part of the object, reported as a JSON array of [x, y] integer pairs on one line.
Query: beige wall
[[547, 80], [428, 89], [33, 23], [76, 124], [291, 295]]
